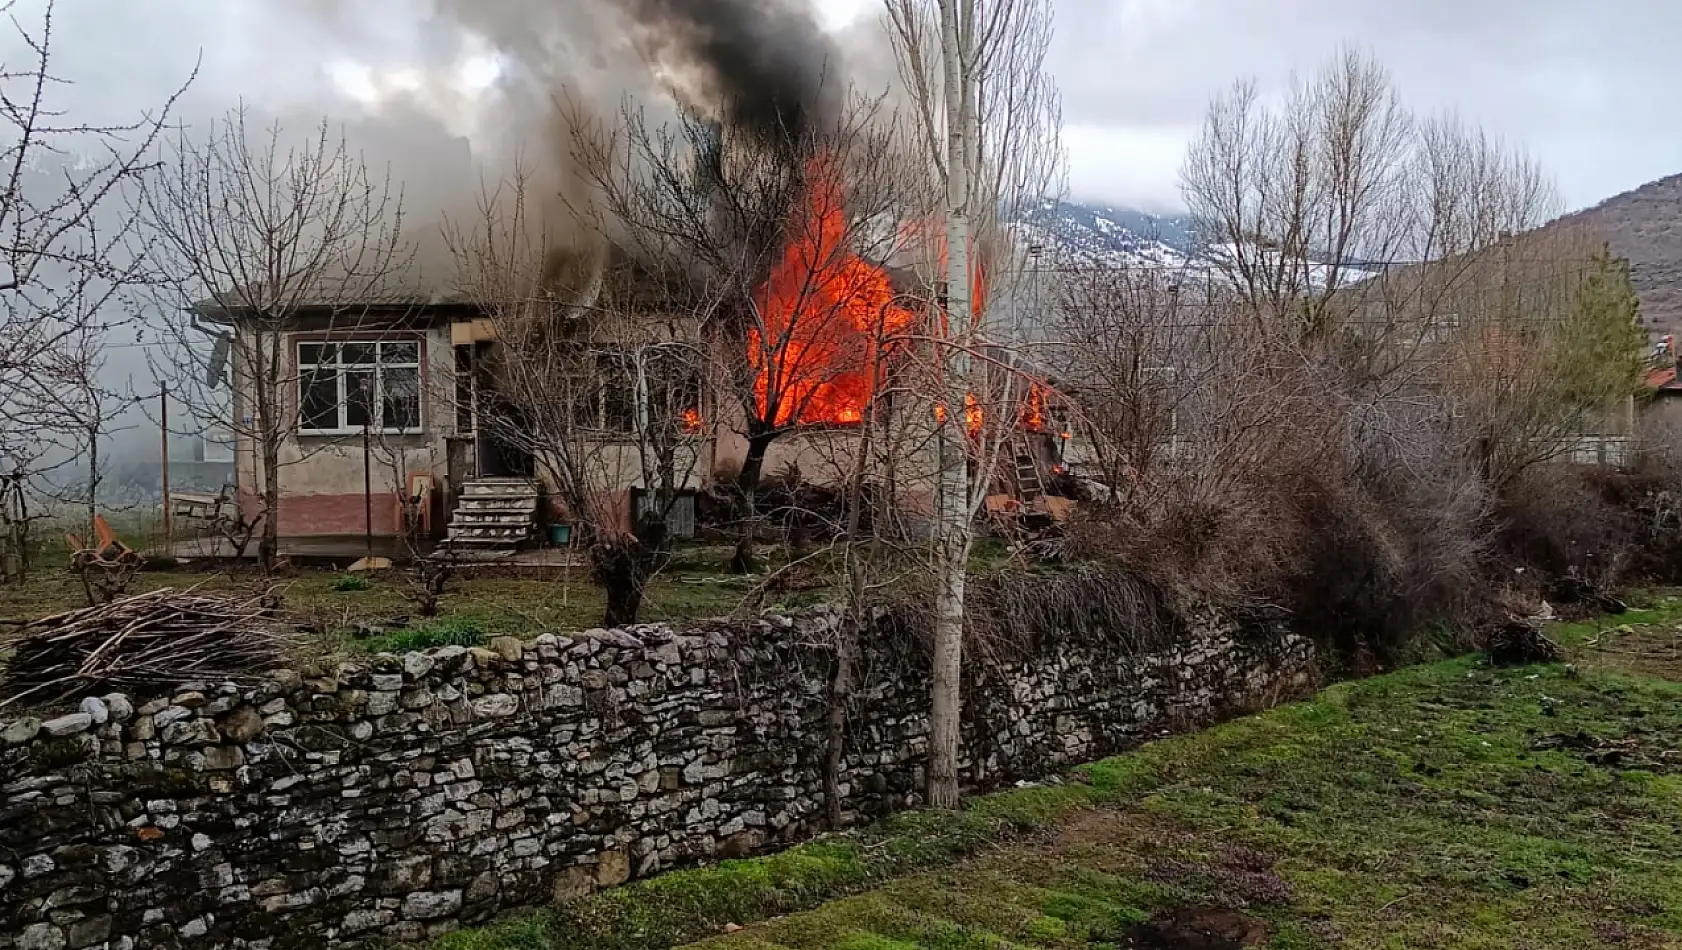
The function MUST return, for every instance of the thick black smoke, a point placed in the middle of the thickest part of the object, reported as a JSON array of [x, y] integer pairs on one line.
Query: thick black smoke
[[774, 70]]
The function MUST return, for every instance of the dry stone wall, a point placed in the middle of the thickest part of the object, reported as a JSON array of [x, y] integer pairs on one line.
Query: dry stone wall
[[404, 796]]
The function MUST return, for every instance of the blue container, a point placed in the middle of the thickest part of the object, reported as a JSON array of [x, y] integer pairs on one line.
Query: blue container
[[560, 534]]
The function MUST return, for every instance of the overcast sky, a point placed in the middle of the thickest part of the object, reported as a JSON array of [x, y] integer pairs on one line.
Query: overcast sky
[[1587, 85]]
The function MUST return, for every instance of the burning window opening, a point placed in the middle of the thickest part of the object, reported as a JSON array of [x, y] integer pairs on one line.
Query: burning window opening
[[974, 417], [1033, 413], [823, 310], [930, 237]]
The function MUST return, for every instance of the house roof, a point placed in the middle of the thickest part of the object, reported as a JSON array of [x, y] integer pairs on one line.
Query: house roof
[[305, 304], [1663, 379]]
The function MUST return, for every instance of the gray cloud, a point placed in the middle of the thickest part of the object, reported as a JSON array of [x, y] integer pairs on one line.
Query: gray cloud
[[1587, 87]]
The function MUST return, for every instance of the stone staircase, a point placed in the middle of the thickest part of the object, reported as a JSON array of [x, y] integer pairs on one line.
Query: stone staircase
[[494, 514]]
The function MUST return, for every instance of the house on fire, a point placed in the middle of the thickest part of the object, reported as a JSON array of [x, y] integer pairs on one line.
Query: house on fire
[[396, 425]]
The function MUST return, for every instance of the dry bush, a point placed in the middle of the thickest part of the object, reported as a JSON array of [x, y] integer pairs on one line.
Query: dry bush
[[1563, 520], [1012, 614]]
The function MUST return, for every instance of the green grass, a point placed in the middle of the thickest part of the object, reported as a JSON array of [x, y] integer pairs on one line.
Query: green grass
[[495, 604], [351, 583], [456, 631], [685, 905], [1432, 807]]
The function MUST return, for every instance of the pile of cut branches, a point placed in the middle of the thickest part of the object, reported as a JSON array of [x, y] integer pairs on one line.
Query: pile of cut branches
[[1521, 641], [147, 645]]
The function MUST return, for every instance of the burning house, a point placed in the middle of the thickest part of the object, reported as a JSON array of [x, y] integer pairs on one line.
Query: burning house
[[442, 418], [476, 414]]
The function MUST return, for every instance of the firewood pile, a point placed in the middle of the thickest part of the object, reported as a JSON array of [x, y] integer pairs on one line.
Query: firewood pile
[[147, 645], [1520, 641]]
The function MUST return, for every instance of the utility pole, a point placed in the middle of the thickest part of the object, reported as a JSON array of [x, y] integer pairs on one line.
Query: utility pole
[[367, 492], [163, 435]]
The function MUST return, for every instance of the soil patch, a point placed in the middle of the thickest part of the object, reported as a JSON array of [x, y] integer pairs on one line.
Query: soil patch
[[1199, 928]]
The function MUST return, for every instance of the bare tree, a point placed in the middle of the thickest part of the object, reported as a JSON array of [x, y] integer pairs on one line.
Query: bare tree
[[426, 569], [597, 379], [63, 241], [988, 120], [260, 237], [1546, 357], [785, 232], [1187, 419], [1290, 199], [1298, 204]]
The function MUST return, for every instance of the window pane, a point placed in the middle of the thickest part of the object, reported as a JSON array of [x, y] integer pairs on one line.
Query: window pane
[[318, 400], [310, 353], [464, 389], [586, 403], [616, 393], [619, 407], [402, 399], [359, 398], [358, 353], [400, 352]]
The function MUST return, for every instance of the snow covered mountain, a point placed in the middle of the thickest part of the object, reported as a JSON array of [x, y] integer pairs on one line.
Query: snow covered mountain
[[1088, 233], [1098, 233]]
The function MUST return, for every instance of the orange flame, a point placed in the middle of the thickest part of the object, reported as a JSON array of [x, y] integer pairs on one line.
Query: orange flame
[[822, 311], [691, 421], [1034, 409], [930, 236], [973, 416]]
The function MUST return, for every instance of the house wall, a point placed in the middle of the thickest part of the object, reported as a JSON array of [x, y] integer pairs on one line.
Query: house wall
[[322, 477], [826, 456], [1663, 413], [617, 470]]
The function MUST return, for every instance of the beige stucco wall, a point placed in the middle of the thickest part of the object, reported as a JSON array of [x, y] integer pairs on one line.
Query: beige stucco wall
[[316, 469]]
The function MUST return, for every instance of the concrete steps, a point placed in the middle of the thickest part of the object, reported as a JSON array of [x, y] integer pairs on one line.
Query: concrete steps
[[493, 513]]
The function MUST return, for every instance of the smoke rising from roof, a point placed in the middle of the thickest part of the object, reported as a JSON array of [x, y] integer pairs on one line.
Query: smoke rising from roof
[[769, 62], [764, 67]]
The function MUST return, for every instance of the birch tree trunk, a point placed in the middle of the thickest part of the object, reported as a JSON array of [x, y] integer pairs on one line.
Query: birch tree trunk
[[952, 513]]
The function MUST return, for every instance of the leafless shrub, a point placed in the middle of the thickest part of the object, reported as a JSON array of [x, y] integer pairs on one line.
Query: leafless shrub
[[260, 237]]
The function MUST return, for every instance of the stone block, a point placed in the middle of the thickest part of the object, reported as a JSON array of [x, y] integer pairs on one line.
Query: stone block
[[613, 868], [417, 664], [191, 732], [42, 936], [495, 706], [120, 707], [88, 932], [242, 725], [573, 883], [362, 921], [431, 905], [67, 725], [19, 731], [96, 710]]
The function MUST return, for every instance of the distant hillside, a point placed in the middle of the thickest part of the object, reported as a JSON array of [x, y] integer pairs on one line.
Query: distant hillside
[[1082, 232], [1645, 226], [1107, 234]]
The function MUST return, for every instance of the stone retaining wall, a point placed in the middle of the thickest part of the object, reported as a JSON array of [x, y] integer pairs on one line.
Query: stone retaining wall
[[407, 795]]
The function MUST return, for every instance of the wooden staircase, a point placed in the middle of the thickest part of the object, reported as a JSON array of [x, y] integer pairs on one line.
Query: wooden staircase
[[494, 513], [1029, 487]]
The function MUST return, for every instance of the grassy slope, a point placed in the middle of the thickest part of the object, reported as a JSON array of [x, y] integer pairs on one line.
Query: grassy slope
[[1427, 808], [516, 605]]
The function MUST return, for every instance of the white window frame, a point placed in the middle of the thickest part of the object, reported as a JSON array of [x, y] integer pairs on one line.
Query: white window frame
[[1442, 328], [378, 367]]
